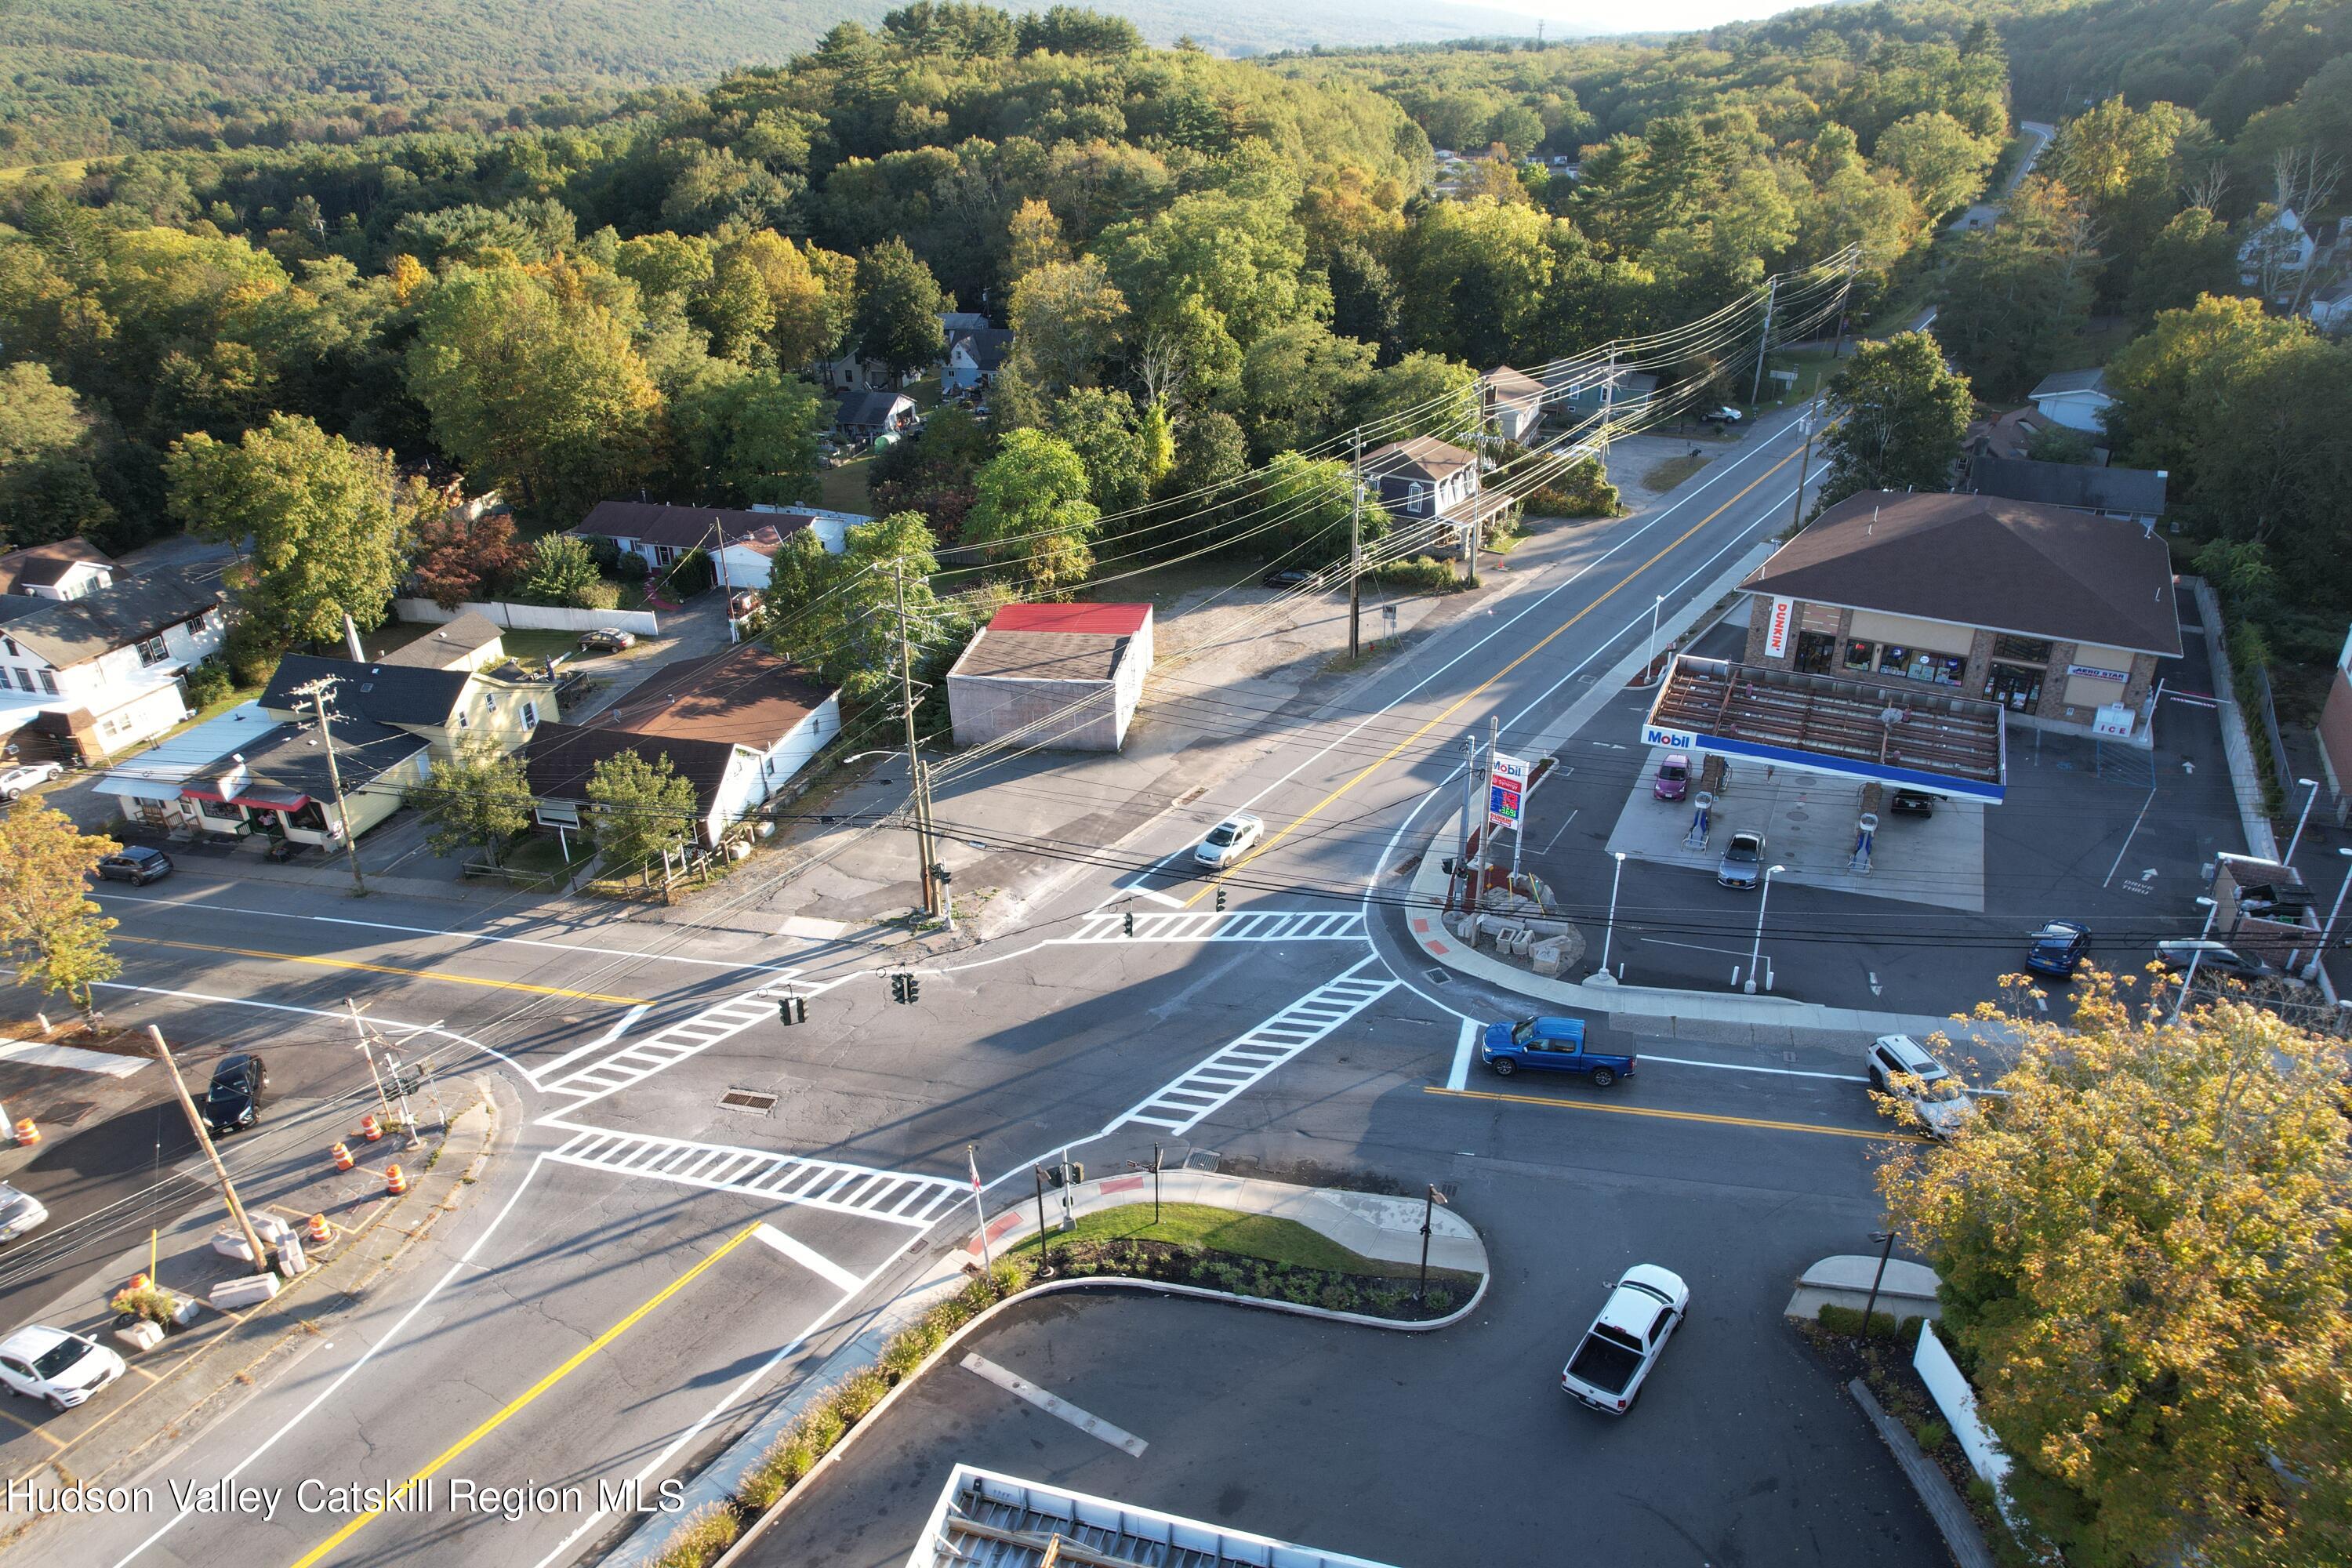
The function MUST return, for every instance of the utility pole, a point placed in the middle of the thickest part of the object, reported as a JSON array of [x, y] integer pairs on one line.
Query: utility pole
[[1469, 799], [1608, 401], [1805, 463], [726, 579], [205, 1142], [1486, 811], [1764, 344], [317, 692], [1470, 528], [1356, 546], [1844, 292], [921, 801]]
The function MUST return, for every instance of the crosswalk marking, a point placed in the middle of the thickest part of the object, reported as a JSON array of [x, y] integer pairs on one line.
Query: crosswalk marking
[[897, 1197], [639, 1059], [1222, 1078], [1238, 925]]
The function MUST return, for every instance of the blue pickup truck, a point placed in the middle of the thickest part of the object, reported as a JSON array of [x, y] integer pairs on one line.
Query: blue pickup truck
[[1549, 1045]]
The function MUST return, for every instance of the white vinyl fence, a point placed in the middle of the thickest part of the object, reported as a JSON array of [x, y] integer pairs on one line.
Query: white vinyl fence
[[533, 617], [1957, 1401]]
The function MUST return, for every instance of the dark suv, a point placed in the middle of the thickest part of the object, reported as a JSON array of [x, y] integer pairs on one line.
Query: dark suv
[[234, 1101], [135, 864]]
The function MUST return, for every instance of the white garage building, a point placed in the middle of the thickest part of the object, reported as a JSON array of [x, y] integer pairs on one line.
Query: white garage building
[[1064, 676]]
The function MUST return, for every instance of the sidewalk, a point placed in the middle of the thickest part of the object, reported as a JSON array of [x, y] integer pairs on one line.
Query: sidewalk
[[199, 1374], [1387, 1228]]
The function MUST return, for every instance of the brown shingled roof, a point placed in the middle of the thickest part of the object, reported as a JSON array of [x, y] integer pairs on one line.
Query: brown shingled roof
[[1042, 656], [743, 696], [1980, 561]]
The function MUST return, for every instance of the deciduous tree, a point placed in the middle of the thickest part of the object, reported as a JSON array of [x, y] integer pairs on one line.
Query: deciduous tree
[[2142, 1250], [896, 317], [1900, 418], [562, 572], [1032, 513], [460, 558], [49, 928], [640, 811], [47, 488], [476, 797]]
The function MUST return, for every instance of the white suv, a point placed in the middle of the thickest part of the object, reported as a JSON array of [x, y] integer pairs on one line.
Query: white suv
[[1900, 1066], [56, 1365]]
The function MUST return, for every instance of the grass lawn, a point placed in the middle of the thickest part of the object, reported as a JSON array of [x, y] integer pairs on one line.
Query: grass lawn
[[844, 489], [1261, 1237], [539, 644], [543, 855], [1665, 476]]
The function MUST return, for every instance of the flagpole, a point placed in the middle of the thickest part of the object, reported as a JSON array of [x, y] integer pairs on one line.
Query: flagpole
[[973, 1159]]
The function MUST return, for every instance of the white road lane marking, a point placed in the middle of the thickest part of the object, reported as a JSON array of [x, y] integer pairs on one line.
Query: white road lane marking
[[899, 1197], [1770, 1072], [808, 1257], [627, 1021], [1461, 1073], [1020, 1387], [1208, 925], [316, 1013]]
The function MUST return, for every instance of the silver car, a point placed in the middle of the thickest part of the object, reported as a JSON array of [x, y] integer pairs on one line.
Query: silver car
[[1228, 841], [20, 1211], [26, 777], [1743, 861]]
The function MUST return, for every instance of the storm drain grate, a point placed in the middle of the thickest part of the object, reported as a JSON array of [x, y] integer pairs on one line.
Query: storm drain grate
[[1439, 976], [748, 1099]]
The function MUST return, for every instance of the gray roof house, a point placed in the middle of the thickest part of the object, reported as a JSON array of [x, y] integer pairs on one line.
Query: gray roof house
[[2133, 493]]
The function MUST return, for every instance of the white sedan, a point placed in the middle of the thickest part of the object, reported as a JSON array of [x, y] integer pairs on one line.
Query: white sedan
[[19, 1211], [1228, 841], [28, 775], [55, 1365]]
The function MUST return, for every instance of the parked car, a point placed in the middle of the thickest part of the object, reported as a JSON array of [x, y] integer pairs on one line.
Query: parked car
[[1549, 1045], [607, 639], [1229, 840], [2058, 947], [1913, 803], [56, 1366], [1743, 861], [1623, 1343], [28, 775], [1673, 780], [2215, 958], [1901, 1066], [19, 1211], [744, 602], [1288, 577], [240, 1085], [1723, 414], [135, 864]]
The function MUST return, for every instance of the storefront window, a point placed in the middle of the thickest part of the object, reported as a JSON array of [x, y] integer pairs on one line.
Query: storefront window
[[2022, 650], [1858, 655], [2015, 687], [1816, 652], [1894, 659]]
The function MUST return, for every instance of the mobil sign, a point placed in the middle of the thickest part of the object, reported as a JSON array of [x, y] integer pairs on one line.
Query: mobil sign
[[1673, 740], [1506, 791]]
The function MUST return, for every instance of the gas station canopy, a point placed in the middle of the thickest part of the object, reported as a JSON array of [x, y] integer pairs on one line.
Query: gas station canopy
[[1934, 740]]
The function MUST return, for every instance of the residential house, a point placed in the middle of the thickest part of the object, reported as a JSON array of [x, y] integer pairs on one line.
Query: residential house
[[472, 641], [974, 356], [2330, 309], [954, 321], [747, 541], [2136, 495], [2278, 249], [1426, 481], [864, 416], [1514, 400], [2074, 398], [91, 676], [736, 724], [444, 708], [1585, 390], [284, 785], [66, 569]]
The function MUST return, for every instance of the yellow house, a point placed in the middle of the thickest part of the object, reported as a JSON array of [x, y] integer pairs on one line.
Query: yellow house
[[444, 707]]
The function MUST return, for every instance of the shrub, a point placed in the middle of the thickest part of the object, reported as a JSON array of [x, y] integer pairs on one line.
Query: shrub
[[152, 1302], [601, 597], [1420, 574], [1930, 1434], [1847, 1321], [251, 650], [697, 1543], [207, 683], [1439, 1300]]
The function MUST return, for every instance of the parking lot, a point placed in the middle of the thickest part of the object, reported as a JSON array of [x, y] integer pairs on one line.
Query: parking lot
[[2120, 838]]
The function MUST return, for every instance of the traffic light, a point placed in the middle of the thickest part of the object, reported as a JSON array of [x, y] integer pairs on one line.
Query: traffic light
[[898, 987], [1129, 930], [941, 875], [792, 1009], [1221, 901], [914, 988]]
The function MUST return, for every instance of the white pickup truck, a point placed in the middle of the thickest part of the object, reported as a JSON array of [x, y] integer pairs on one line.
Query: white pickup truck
[[1608, 1368]]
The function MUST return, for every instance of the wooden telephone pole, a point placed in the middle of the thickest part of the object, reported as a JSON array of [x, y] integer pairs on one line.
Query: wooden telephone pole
[[317, 692], [204, 1139], [921, 802]]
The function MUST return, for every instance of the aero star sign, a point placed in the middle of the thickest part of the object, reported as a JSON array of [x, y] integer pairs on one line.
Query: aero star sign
[[1510, 786]]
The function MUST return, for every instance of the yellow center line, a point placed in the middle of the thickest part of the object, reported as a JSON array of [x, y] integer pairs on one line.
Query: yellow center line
[[1451, 708], [1679, 1115], [388, 969], [515, 1405]]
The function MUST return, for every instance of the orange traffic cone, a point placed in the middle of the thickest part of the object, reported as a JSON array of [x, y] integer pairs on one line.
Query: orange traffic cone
[[393, 1182], [138, 1282], [344, 1161], [369, 1129], [27, 1133], [322, 1232]]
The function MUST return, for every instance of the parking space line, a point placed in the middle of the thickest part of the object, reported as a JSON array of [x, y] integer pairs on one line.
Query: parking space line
[[19, 1422], [1460, 1074], [1020, 1387], [1754, 1121]]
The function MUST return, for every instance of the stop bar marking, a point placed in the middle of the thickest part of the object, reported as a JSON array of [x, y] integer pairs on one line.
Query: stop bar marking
[[1020, 1387]]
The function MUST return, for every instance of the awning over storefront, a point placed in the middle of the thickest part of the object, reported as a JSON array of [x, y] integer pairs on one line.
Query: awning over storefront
[[260, 797], [1931, 740]]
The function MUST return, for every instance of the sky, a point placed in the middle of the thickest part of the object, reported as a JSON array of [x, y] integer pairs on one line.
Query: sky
[[1575, 16]]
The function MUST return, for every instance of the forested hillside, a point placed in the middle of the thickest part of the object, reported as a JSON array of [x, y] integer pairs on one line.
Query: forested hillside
[[84, 78]]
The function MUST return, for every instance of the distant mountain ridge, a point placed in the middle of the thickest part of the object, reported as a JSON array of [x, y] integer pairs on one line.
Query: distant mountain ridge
[[90, 76]]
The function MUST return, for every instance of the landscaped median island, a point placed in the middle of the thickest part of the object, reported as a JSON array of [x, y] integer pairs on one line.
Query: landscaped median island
[[1255, 1256]]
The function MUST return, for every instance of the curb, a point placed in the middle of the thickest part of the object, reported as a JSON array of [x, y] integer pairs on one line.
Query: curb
[[1953, 1521], [760, 1525]]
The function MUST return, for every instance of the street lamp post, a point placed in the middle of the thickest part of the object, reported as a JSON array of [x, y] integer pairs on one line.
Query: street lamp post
[[2195, 954], [2311, 789], [1609, 934], [1428, 1219], [1756, 953], [1650, 663], [2311, 970], [1886, 1239]]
